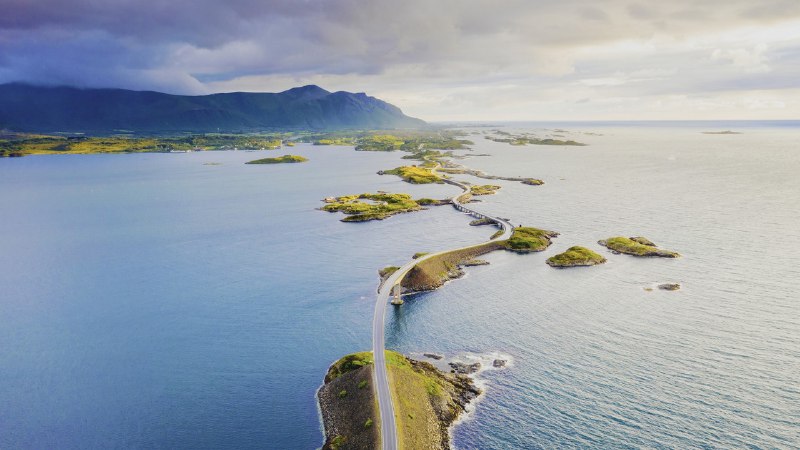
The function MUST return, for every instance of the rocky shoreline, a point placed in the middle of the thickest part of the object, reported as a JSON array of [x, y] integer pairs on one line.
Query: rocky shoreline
[[348, 407]]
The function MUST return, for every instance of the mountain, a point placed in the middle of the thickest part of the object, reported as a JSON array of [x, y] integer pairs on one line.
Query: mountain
[[25, 107]]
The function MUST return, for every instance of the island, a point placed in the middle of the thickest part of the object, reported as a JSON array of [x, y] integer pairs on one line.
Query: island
[[427, 402], [279, 160], [484, 189], [414, 174], [575, 256], [377, 206], [636, 246]]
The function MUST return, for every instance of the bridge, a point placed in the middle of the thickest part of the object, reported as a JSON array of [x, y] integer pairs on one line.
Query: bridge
[[391, 286]]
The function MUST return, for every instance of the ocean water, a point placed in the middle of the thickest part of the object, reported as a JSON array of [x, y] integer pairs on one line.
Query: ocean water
[[151, 300]]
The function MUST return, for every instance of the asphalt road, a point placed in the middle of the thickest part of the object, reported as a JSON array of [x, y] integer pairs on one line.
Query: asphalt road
[[379, 374]]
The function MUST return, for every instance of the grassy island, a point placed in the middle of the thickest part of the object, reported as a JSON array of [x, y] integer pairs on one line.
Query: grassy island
[[529, 239], [414, 174], [279, 160], [378, 206], [427, 401], [636, 246], [574, 257], [520, 140], [484, 189]]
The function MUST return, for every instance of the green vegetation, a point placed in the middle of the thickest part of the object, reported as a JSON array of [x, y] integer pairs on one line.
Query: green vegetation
[[485, 189], [496, 234], [575, 256], [379, 143], [363, 207], [334, 141], [387, 271], [426, 401], [533, 182], [33, 144], [414, 174], [636, 246], [479, 222], [528, 239], [279, 160], [525, 140], [343, 393], [337, 442], [349, 363]]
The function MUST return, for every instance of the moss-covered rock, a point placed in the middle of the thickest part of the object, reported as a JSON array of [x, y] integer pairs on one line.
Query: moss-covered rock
[[636, 246], [574, 257]]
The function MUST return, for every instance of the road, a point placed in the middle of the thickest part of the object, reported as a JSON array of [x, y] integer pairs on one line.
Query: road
[[380, 376]]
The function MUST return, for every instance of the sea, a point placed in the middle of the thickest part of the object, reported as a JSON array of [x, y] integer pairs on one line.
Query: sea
[[188, 300]]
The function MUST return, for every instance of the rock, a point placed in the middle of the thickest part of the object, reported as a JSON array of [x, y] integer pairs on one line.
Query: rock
[[669, 286], [499, 363], [329, 199], [643, 241], [433, 356], [463, 368]]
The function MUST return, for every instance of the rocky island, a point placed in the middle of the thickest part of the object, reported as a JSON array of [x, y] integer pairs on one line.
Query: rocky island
[[575, 257], [279, 160], [378, 206], [427, 402], [414, 174], [636, 246]]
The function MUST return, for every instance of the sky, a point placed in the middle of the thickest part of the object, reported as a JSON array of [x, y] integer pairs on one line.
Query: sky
[[439, 60]]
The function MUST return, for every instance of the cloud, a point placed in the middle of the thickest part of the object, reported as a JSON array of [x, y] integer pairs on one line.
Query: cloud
[[437, 59]]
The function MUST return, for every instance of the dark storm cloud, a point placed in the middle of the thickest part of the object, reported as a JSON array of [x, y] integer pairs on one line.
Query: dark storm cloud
[[199, 46]]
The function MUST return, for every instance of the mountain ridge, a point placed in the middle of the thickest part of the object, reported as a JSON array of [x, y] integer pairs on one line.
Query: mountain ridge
[[27, 107]]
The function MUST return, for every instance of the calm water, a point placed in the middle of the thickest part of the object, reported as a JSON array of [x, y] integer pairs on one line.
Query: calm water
[[153, 301]]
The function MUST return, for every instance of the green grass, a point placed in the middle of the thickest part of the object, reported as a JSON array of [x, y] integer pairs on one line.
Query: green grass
[[387, 271], [415, 174], [337, 442], [637, 246], [362, 384], [348, 363], [576, 256], [343, 393], [484, 189], [380, 143], [529, 239], [367, 206], [279, 160], [368, 423], [30, 144]]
